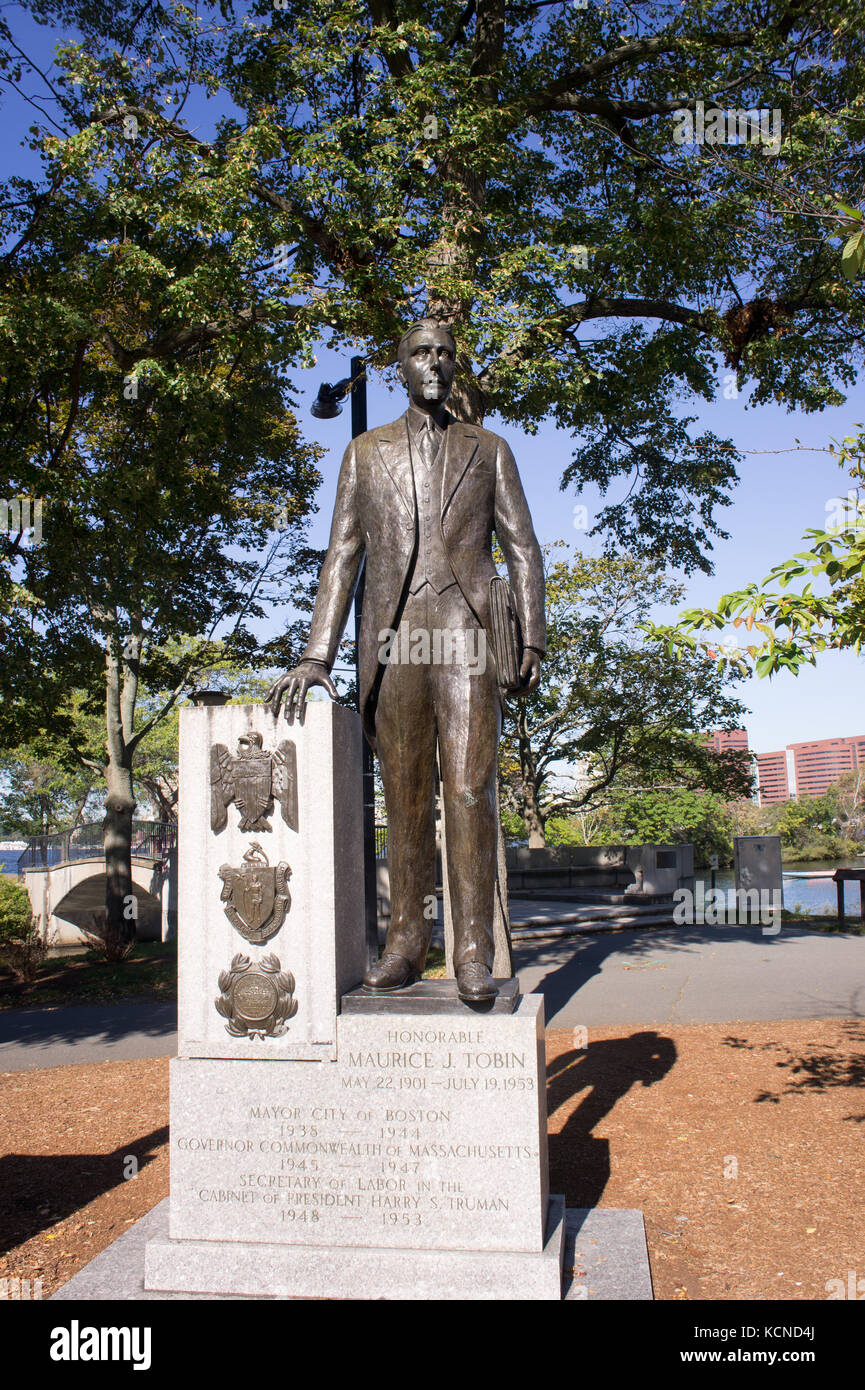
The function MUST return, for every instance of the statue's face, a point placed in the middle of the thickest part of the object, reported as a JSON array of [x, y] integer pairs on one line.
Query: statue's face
[[426, 366]]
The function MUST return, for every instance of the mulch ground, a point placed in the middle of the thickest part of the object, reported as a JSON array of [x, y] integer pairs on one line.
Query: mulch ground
[[740, 1143]]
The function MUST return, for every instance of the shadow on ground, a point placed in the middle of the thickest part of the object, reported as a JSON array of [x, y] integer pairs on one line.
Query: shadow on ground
[[93, 1022], [817, 1070], [606, 1070], [42, 1189]]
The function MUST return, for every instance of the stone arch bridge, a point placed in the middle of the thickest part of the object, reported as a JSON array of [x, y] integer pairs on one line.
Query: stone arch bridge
[[64, 876]]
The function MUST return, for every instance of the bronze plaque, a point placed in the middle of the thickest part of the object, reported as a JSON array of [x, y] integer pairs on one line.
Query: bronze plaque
[[257, 999]]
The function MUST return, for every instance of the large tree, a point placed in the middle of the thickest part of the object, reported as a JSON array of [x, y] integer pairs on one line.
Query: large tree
[[43, 790], [174, 484], [512, 168], [516, 168]]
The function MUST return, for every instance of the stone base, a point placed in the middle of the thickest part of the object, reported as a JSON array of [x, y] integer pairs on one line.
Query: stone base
[[426, 1134], [605, 1260], [431, 997], [285, 1271]]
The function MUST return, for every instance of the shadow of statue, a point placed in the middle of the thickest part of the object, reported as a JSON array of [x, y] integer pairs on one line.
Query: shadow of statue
[[605, 1071], [39, 1190]]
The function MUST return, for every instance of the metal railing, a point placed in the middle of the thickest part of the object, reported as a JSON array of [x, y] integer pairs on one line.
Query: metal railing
[[381, 842], [151, 839]]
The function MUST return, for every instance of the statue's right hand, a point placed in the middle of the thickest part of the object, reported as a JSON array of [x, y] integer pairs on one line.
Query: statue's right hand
[[294, 686]]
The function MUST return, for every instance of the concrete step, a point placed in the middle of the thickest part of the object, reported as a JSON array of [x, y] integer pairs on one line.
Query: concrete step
[[522, 934], [600, 912], [596, 896]]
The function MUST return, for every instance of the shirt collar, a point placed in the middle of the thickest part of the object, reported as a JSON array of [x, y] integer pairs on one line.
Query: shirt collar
[[417, 420]]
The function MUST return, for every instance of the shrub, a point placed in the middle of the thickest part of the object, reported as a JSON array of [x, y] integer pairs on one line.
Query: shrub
[[15, 910], [22, 945], [111, 946]]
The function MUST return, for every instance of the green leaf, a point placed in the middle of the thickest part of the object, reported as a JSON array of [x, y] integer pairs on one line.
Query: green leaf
[[853, 255]]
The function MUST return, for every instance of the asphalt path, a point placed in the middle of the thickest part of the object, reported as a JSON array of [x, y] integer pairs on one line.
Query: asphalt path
[[646, 976], [695, 975], [86, 1033]]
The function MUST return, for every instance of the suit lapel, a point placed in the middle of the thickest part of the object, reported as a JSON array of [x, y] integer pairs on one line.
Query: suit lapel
[[394, 451], [461, 444]]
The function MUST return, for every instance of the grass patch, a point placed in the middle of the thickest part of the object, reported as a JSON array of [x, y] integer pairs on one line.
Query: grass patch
[[150, 970], [435, 964], [853, 926]]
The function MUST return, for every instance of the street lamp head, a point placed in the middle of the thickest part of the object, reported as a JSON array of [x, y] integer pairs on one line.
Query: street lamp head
[[326, 405]]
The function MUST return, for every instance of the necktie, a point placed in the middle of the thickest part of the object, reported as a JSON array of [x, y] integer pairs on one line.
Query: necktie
[[427, 443]]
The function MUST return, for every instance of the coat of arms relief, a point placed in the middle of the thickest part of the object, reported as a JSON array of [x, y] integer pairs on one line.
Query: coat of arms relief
[[256, 895]]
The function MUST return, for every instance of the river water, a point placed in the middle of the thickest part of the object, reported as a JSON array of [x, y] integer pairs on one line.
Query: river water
[[816, 895]]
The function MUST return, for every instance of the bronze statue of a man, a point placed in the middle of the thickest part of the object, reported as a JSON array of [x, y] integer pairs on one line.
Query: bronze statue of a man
[[421, 497]]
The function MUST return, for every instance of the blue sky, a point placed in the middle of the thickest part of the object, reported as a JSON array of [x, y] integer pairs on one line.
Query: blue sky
[[780, 494]]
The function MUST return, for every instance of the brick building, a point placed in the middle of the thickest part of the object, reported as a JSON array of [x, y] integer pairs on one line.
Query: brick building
[[773, 784], [723, 740], [822, 761]]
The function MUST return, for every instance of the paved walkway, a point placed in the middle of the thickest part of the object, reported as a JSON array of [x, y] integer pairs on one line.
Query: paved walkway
[[695, 975], [89, 1033], [646, 976]]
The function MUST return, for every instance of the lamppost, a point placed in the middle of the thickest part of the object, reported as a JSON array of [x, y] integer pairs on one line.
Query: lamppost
[[326, 406]]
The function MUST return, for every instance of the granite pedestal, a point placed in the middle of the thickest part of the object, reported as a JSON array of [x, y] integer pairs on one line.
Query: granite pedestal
[[325, 1143], [413, 1165], [320, 941]]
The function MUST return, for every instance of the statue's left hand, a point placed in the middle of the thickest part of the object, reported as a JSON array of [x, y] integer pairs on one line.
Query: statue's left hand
[[530, 671]]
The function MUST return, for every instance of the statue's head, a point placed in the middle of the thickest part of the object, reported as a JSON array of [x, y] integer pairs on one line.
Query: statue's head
[[426, 362], [249, 744]]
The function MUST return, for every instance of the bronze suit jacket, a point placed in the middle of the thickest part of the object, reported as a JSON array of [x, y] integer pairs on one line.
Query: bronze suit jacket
[[375, 511]]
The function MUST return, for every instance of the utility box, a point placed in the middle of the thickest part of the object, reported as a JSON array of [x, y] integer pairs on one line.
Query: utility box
[[757, 862]]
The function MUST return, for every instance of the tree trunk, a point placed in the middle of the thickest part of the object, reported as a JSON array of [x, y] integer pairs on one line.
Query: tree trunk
[[532, 814], [117, 840], [534, 822], [120, 694]]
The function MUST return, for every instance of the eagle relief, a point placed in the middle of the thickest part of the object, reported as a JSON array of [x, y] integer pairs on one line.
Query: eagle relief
[[256, 895], [252, 780]]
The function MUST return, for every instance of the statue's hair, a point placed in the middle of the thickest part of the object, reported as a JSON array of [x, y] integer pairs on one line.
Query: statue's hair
[[423, 323]]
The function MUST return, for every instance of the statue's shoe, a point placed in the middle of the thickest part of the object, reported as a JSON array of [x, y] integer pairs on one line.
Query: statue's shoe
[[390, 973], [475, 982]]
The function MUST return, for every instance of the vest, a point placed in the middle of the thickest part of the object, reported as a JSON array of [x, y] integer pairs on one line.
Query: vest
[[431, 564]]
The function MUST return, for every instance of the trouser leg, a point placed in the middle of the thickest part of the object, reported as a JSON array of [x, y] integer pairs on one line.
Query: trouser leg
[[468, 718], [405, 740]]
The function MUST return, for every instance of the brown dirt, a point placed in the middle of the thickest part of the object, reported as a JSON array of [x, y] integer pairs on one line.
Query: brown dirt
[[641, 1118], [654, 1120], [68, 1132]]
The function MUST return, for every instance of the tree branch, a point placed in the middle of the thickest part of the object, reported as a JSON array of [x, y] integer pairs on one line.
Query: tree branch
[[644, 48], [383, 17], [75, 383], [179, 339]]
